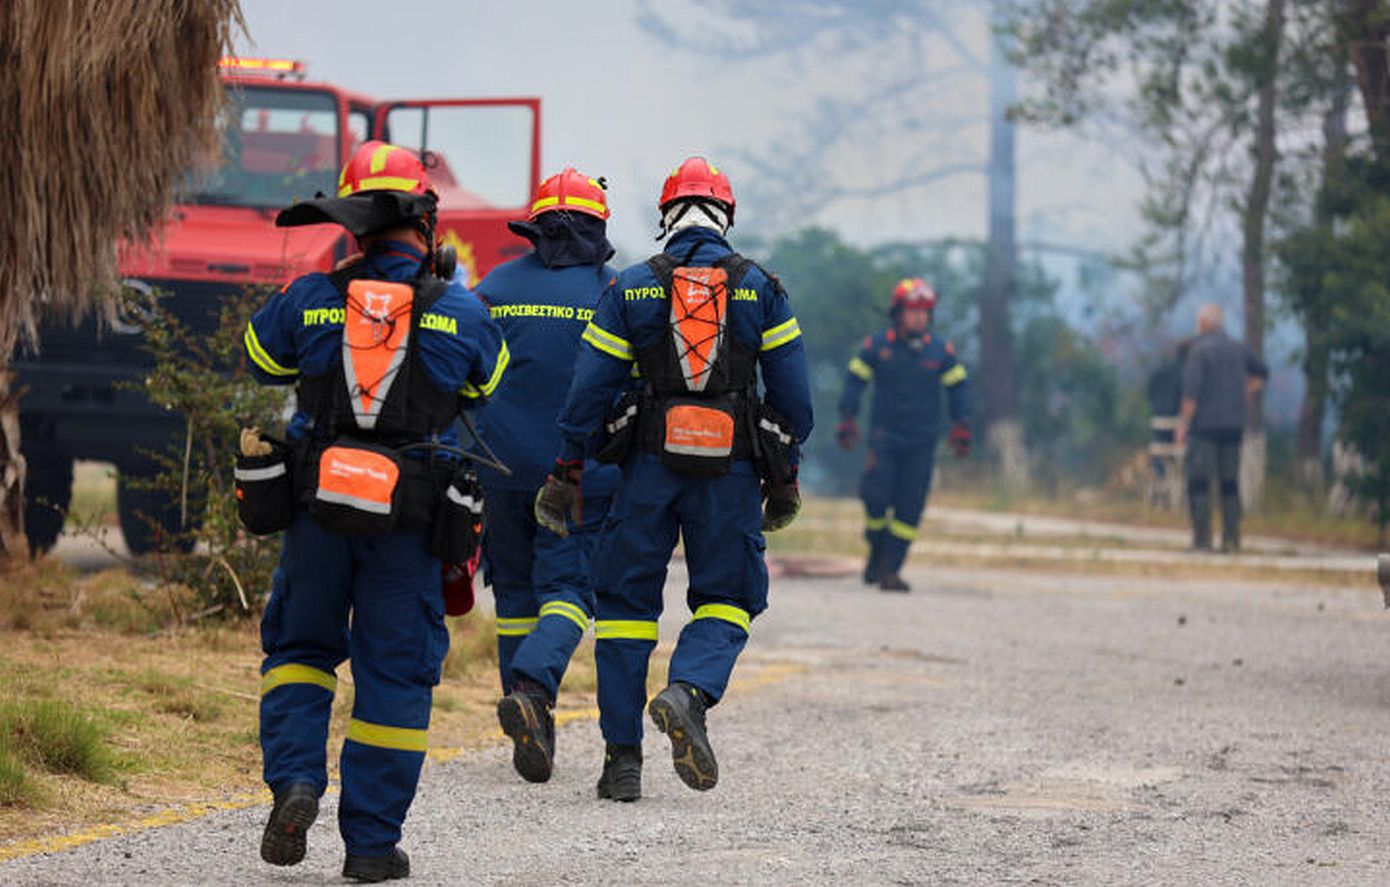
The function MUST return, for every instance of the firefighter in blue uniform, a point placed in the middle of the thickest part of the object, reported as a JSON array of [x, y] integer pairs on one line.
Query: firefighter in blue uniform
[[384, 354], [908, 368], [705, 448], [542, 581]]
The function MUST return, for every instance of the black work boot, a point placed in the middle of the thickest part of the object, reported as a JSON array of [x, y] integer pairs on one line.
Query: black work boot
[[371, 869], [892, 582], [871, 566], [679, 712], [284, 840], [525, 716], [622, 773], [1230, 523]]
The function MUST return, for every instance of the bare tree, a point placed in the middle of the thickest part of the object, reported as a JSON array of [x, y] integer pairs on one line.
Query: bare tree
[[104, 103]]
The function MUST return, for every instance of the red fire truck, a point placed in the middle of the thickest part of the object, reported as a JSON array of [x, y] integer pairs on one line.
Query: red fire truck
[[285, 138]]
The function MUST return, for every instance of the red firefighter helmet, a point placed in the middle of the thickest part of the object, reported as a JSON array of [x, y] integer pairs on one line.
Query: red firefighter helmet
[[697, 177], [912, 292], [379, 166], [571, 190]]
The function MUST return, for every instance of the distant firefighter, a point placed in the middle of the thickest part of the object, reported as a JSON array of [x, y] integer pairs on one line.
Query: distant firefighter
[[908, 367], [1217, 377]]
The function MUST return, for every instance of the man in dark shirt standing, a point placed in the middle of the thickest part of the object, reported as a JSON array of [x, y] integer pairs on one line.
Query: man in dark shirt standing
[[1217, 377]]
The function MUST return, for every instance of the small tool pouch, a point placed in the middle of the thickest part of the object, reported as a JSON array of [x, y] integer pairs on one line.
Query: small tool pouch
[[358, 488], [774, 445], [458, 519], [697, 437], [620, 429], [265, 490]]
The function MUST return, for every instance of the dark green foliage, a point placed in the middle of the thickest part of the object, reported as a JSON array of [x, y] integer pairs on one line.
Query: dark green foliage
[[1074, 411], [205, 379]]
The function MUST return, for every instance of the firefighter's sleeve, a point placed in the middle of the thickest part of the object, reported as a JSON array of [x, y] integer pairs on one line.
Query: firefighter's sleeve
[[269, 340], [957, 385], [782, 359], [486, 352], [601, 369], [857, 377]]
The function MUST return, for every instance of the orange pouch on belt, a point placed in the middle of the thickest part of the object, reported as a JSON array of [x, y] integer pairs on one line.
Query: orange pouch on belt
[[358, 489], [698, 437]]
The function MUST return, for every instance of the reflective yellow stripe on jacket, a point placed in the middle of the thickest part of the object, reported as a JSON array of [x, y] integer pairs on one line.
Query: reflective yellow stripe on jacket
[[600, 338], [861, 369], [261, 357], [954, 376], [504, 357], [781, 335]]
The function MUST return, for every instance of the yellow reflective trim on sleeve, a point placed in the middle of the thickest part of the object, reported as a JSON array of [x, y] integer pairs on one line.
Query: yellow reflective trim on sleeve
[[625, 629], [904, 531], [294, 673], [781, 334], [606, 342], [382, 736], [726, 612], [954, 376], [257, 353], [515, 627], [568, 611], [504, 357], [875, 523], [859, 368]]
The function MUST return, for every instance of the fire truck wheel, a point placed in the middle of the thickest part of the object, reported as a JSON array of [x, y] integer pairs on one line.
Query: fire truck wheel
[[47, 495]]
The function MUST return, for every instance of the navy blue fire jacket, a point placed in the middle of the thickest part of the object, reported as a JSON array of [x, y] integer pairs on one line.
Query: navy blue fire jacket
[[908, 375], [542, 312]]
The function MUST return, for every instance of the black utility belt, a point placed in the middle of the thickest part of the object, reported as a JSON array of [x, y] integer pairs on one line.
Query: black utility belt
[[361, 487], [699, 436]]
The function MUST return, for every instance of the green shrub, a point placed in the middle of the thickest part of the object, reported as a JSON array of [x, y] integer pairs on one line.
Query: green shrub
[[16, 788], [58, 737]]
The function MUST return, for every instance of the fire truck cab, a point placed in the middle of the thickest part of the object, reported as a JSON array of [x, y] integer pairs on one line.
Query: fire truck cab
[[285, 138]]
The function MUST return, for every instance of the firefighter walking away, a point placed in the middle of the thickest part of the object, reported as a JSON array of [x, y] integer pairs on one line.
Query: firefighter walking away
[[373, 501], [702, 446]]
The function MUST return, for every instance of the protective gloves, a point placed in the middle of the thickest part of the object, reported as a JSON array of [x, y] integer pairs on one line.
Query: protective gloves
[[960, 439], [847, 434], [560, 497], [781, 504]]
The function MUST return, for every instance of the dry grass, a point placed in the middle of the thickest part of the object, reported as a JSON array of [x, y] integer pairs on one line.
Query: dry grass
[[177, 708]]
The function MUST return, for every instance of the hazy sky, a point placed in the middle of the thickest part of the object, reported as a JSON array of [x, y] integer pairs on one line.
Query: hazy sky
[[617, 103]]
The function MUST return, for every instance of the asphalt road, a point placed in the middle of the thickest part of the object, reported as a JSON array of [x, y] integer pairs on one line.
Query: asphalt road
[[990, 728]]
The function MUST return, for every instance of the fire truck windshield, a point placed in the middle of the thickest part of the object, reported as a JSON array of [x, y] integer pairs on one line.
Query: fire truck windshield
[[278, 146]]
